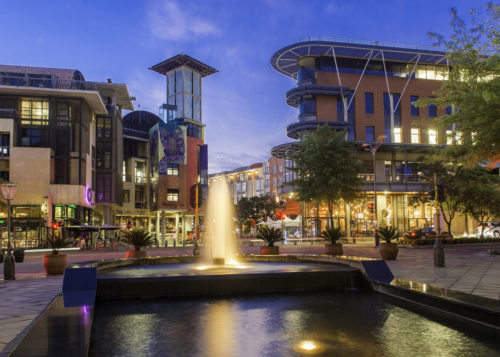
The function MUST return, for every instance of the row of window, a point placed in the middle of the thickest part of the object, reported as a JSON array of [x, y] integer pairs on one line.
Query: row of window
[[140, 171], [172, 196], [414, 110], [452, 137]]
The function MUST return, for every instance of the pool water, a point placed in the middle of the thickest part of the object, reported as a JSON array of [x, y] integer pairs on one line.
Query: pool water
[[309, 324]]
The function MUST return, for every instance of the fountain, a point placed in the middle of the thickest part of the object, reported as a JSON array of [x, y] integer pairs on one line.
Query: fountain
[[220, 248]]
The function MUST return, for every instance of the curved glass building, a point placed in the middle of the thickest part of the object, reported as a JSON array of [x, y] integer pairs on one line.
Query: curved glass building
[[368, 88]]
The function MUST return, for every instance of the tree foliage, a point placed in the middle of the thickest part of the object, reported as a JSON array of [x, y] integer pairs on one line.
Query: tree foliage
[[473, 86], [252, 210], [326, 169]]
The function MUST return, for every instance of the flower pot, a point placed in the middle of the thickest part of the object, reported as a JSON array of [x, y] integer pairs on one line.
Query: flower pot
[[269, 250], [54, 264], [388, 251], [334, 249], [136, 254]]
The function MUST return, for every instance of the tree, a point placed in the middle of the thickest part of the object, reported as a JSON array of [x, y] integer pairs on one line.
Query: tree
[[451, 184], [480, 194], [326, 169], [473, 84], [254, 209]]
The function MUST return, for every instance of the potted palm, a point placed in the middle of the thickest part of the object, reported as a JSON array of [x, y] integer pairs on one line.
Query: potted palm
[[388, 250], [138, 238], [55, 263], [333, 235], [270, 235]]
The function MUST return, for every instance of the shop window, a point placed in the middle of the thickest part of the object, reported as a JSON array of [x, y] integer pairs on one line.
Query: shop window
[[172, 195]]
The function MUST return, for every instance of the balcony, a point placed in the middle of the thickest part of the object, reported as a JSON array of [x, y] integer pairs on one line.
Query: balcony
[[45, 82], [294, 95]]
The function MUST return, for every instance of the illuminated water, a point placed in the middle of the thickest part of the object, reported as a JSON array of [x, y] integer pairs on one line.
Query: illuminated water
[[319, 324], [219, 225]]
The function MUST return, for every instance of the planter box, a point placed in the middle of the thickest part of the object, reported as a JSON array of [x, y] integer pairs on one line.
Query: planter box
[[334, 249], [269, 250]]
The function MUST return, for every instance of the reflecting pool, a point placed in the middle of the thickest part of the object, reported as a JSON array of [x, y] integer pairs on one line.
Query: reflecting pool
[[319, 324]]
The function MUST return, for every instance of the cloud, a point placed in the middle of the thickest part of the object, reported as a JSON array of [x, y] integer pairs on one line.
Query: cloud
[[168, 21], [149, 90]]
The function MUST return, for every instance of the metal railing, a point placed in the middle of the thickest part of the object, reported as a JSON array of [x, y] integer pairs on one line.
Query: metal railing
[[54, 82], [398, 178], [372, 43]]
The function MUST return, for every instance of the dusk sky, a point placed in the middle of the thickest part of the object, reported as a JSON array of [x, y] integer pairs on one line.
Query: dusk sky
[[244, 104]]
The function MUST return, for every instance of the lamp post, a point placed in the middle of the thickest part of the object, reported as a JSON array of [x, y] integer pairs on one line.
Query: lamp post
[[439, 260], [8, 191], [373, 147]]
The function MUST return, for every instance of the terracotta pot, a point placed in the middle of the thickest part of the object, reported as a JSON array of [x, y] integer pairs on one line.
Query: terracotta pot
[[54, 264], [334, 249], [388, 251], [269, 250], [136, 254]]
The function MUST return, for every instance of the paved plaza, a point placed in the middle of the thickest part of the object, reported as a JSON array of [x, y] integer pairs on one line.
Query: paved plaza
[[468, 269]]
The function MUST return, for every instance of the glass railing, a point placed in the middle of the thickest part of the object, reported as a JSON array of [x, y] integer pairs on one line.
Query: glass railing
[[27, 81]]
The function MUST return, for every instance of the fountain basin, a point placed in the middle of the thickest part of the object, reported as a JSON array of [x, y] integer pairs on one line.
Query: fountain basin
[[193, 279]]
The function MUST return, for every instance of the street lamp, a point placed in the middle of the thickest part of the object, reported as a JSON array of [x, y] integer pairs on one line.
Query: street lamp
[[8, 191], [439, 260], [373, 147]]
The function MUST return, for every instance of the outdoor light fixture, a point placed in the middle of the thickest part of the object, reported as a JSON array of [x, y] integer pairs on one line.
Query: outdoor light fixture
[[8, 191], [373, 147]]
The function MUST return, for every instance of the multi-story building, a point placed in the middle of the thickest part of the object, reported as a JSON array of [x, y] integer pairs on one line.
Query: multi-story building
[[165, 156], [61, 145], [245, 182], [369, 89]]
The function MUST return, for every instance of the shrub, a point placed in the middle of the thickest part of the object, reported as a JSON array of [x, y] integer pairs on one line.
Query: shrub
[[138, 238], [332, 234], [388, 233], [270, 235]]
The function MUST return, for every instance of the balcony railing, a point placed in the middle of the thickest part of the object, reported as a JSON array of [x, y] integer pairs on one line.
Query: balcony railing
[[399, 178], [140, 179], [8, 113], [29, 81]]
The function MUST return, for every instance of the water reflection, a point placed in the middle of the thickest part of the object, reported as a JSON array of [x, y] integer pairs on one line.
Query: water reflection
[[329, 324]]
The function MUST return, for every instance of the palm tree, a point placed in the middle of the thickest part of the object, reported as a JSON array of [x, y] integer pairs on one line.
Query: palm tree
[[138, 238], [332, 234], [388, 233], [270, 235]]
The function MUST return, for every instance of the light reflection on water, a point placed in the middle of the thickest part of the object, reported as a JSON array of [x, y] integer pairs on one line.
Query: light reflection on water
[[340, 324]]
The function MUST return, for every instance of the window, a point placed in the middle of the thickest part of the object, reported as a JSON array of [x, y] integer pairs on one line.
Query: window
[[370, 133], [415, 112], [126, 196], [432, 111], [63, 114], [274, 181], [104, 154], [281, 168], [415, 135], [103, 186], [140, 172], [448, 109], [172, 195], [458, 138], [397, 135], [449, 137], [35, 112], [280, 180], [369, 103], [194, 131], [103, 127], [432, 136], [140, 197], [173, 169]]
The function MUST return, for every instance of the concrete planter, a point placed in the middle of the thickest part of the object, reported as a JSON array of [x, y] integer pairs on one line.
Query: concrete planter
[[334, 249], [136, 254], [388, 251], [269, 250], [54, 264]]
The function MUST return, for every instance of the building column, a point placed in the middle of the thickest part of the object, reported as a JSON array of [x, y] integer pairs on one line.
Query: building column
[[157, 227], [106, 212], [177, 227], [183, 229], [163, 228], [348, 220]]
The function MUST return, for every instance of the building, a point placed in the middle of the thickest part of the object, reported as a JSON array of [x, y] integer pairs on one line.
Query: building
[[165, 156], [245, 182], [368, 88], [61, 145]]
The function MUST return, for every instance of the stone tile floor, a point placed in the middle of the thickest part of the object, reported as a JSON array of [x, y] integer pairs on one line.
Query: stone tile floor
[[468, 269]]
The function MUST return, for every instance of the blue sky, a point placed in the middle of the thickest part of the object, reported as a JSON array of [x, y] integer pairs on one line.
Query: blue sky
[[244, 104]]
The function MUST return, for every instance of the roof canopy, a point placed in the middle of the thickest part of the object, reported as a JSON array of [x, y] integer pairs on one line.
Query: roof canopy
[[183, 60], [285, 59]]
